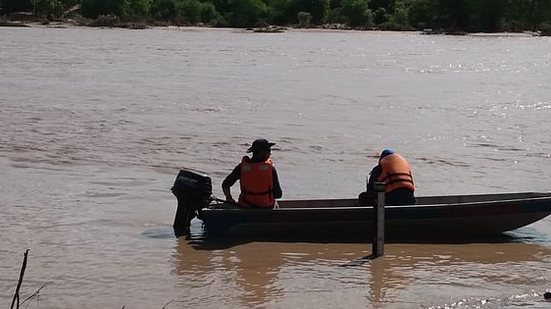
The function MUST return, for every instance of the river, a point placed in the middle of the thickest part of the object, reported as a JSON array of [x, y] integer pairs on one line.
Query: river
[[95, 124]]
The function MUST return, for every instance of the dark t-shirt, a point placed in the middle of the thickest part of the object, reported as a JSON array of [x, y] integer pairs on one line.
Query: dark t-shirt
[[375, 173]]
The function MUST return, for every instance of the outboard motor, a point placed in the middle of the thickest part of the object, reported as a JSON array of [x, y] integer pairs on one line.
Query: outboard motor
[[193, 189]]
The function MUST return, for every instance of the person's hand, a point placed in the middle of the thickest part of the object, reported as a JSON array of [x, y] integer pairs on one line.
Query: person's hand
[[366, 199]]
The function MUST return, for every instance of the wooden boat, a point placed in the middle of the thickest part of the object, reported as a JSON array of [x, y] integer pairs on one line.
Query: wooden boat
[[433, 217]]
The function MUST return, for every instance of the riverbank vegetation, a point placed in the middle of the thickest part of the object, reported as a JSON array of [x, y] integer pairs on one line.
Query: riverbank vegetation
[[456, 16]]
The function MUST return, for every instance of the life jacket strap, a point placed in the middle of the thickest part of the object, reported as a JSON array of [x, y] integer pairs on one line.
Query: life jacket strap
[[258, 193], [398, 177]]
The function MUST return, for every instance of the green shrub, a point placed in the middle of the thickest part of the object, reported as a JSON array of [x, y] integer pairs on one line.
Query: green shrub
[[246, 13], [391, 26], [210, 15], [357, 13], [304, 19], [52, 9], [105, 21], [545, 28], [163, 10], [400, 15], [380, 16], [513, 26], [421, 14], [189, 11], [95, 8], [136, 8]]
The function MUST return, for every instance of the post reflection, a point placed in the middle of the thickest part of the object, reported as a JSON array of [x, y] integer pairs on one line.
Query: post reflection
[[238, 273]]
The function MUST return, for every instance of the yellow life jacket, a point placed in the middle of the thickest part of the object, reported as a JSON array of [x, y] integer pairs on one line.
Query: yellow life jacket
[[256, 183], [396, 173]]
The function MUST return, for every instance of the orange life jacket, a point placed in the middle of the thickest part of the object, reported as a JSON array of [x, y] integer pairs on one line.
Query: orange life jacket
[[396, 173], [256, 184]]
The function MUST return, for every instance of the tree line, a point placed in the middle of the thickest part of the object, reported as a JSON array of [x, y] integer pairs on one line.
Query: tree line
[[448, 15]]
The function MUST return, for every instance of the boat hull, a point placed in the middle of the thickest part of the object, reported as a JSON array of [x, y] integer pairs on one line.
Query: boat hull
[[446, 217]]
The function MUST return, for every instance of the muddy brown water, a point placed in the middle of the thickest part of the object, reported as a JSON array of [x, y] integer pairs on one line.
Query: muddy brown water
[[95, 123]]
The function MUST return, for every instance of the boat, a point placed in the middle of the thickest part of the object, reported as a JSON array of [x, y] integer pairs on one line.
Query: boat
[[432, 217]]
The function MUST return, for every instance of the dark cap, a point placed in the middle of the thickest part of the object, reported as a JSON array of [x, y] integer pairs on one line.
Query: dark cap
[[386, 152], [260, 144]]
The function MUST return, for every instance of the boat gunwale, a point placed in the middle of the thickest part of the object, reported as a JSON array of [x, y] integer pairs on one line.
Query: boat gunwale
[[389, 207]]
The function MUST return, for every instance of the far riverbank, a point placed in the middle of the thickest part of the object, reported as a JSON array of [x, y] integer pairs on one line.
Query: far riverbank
[[71, 23]]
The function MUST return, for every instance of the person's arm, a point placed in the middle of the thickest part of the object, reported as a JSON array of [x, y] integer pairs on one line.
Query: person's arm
[[368, 197], [278, 193], [230, 180], [375, 173]]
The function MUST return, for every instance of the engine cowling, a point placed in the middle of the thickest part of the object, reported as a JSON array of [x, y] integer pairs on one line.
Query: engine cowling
[[193, 189]]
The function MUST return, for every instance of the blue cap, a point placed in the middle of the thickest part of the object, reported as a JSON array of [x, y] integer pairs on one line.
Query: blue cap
[[386, 152]]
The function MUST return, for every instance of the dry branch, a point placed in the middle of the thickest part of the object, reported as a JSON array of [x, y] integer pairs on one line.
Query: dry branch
[[36, 293], [21, 274]]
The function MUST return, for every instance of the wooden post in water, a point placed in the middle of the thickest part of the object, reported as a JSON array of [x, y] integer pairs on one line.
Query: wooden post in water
[[379, 221]]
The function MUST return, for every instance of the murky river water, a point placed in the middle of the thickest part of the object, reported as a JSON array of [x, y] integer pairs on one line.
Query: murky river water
[[95, 123]]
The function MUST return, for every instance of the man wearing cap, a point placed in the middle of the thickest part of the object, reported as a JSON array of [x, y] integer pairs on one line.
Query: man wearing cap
[[257, 177], [395, 171]]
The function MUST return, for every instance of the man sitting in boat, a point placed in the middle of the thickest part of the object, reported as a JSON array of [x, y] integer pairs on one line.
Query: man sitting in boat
[[395, 172], [257, 177]]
